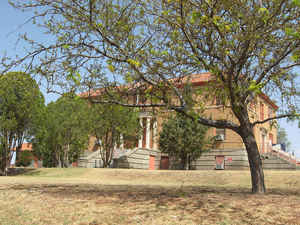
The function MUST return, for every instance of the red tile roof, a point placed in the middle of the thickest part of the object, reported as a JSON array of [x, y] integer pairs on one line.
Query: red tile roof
[[195, 79]]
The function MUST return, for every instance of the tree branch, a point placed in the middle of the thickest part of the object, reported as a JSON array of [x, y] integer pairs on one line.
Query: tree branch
[[274, 118], [210, 122], [284, 54]]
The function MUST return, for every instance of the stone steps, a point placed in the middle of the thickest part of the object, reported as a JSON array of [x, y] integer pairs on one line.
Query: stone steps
[[234, 160], [276, 162], [90, 160]]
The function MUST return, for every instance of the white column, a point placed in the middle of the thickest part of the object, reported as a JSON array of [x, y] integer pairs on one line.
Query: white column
[[121, 141], [141, 136], [154, 135], [148, 135]]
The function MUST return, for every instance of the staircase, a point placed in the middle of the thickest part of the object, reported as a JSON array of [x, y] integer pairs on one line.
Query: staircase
[[90, 160], [279, 160], [93, 159]]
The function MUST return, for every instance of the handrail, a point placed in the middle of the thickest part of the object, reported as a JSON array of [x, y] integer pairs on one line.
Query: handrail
[[282, 154]]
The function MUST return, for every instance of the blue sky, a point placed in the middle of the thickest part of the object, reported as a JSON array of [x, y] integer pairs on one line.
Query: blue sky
[[10, 21]]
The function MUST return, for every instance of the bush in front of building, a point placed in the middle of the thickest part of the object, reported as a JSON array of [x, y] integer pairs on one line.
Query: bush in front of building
[[25, 159], [183, 139]]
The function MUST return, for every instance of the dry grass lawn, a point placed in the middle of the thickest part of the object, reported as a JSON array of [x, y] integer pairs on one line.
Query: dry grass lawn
[[116, 196]]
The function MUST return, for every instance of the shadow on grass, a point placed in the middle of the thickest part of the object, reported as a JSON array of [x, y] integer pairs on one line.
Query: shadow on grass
[[139, 193], [23, 171]]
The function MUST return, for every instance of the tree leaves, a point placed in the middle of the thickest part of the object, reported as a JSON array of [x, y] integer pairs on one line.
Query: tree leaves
[[296, 2], [183, 139], [134, 62], [108, 123], [63, 133], [21, 105]]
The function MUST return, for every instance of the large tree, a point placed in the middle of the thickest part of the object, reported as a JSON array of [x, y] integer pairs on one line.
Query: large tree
[[112, 125], [63, 134], [248, 46], [21, 105]]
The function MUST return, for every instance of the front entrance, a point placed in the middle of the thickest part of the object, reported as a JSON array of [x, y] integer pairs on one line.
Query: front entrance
[[151, 162], [164, 163]]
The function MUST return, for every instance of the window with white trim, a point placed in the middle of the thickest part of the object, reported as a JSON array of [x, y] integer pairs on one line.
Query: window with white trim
[[220, 134]]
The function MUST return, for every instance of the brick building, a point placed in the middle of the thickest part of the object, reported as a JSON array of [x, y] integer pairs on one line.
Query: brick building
[[228, 152]]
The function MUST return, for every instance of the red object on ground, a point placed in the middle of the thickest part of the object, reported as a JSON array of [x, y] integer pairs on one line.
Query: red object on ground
[[152, 162], [229, 159]]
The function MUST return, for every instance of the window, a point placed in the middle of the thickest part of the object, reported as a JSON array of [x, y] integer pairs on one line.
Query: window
[[270, 115], [220, 134], [261, 111], [253, 105], [271, 138], [270, 112]]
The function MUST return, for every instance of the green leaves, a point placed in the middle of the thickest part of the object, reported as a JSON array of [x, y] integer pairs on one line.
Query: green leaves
[[216, 20], [74, 76], [183, 138], [99, 25], [295, 57], [21, 105], [128, 78], [63, 133], [111, 68], [66, 46], [255, 88], [292, 33], [108, 123], [195, 17], [263, 11], [134, 62], [297, 2]]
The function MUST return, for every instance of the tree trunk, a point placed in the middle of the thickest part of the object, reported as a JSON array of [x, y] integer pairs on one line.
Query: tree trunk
[[189, 163], [18, 150], [105, 158], [257, 174], [3, 162], [183, 163]]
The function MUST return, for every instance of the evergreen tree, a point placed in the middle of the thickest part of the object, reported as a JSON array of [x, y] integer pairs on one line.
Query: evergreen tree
[[183, 139], [64, 133], [109, 123], [21, 105]]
